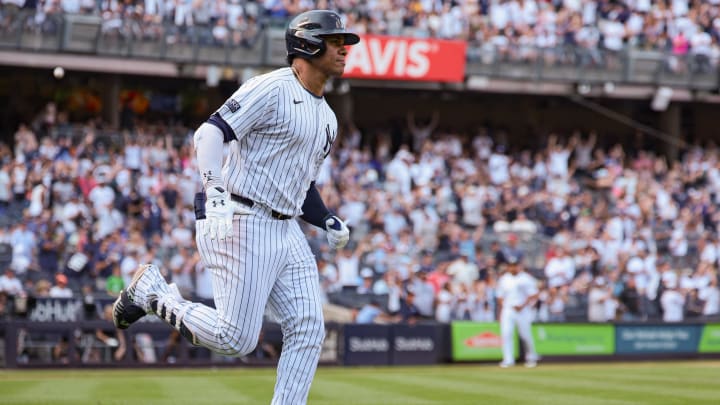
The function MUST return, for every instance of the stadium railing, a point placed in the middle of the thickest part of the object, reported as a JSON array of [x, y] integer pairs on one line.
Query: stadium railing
[[260, 46]]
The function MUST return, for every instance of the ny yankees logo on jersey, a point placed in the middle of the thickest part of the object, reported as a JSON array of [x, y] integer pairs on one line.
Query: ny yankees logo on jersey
[[329, 139]]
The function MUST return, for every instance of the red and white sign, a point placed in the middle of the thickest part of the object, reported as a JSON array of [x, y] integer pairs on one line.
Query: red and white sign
[[399, 58], [485, 339]]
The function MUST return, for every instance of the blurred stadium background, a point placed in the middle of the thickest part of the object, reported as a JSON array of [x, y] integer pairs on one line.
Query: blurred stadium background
[[579, 134]]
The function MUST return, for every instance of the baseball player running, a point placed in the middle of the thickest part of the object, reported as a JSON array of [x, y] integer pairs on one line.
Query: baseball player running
[[247, 230], [516, 292]]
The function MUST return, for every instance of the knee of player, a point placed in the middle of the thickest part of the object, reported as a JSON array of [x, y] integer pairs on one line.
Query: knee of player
[[237, 348], [235, 342]]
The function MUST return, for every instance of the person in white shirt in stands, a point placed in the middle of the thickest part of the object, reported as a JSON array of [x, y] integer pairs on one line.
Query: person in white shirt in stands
[[10, 284], [560, 270], [516, 292], [499, 166], [710, 295], [60, 289], [673, 303], [444, 303]]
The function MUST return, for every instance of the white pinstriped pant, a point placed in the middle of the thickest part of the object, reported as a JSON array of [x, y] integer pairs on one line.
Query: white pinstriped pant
[[267, 261]]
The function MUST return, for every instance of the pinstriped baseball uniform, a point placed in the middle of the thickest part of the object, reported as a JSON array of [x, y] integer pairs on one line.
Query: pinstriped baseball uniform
[[290, 132], [283, 135]]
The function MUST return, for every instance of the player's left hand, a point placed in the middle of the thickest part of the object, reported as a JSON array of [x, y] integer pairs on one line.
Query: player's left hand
[[218, 213], [338, 233]]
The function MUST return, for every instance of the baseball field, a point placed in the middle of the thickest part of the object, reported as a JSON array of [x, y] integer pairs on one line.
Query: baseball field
[[696, 382]]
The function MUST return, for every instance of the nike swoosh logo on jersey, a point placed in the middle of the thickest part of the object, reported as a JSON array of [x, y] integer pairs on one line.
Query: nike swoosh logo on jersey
[[297, 101]]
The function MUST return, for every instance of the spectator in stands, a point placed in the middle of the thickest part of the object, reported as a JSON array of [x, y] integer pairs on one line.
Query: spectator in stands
[[371, 313], [5, 186], [60, 289], [424, 293], [23, 243], [366, 285], [556, 302], [10, 285], [348, 265], [390, 285], [409, 312], [673, 303], [560, 269], [329, 279], [482, 308], [710, 295], [463, 271], [421, 132], [50, 248], [598, 298], [511, 249], [630, 301], [181, 266], [114, 283], [42, 289], [444, 304]]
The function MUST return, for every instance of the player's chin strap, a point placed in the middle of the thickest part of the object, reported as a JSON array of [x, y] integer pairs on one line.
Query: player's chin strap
[[173, 310]]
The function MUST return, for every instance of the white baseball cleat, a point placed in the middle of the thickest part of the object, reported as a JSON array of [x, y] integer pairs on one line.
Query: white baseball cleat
[[135, 301], [531, 364], [506, 365]]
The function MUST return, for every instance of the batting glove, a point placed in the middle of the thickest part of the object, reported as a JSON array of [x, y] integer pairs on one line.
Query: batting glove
[[338, 233], [218, 214]]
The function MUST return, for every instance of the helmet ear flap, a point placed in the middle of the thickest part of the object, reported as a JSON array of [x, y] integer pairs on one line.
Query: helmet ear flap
[[304, 47]]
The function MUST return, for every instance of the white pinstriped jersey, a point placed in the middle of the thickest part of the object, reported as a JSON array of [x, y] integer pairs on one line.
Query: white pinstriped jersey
[[283, 135]]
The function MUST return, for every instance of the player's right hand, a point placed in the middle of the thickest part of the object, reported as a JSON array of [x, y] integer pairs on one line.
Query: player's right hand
[[338, 233], [218, 213]]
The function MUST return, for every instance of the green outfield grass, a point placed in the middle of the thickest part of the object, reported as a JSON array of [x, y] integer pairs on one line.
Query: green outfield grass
[[695, 382]]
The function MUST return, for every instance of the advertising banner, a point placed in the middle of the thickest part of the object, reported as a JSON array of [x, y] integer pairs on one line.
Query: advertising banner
[[416, 344], [574, 339], [367, 344], [477, 341], [400, 58], [641, 339], [56, 310], [710, 339]]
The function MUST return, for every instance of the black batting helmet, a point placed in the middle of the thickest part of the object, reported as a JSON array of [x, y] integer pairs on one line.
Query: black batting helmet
[[304, 33]]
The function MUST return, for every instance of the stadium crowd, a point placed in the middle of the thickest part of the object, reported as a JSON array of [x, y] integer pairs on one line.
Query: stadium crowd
[[618, 231], [578, 31]]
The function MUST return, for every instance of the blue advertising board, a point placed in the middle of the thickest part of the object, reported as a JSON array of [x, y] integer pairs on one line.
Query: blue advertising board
[[642, 339], [367, 344], [417, 344]]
